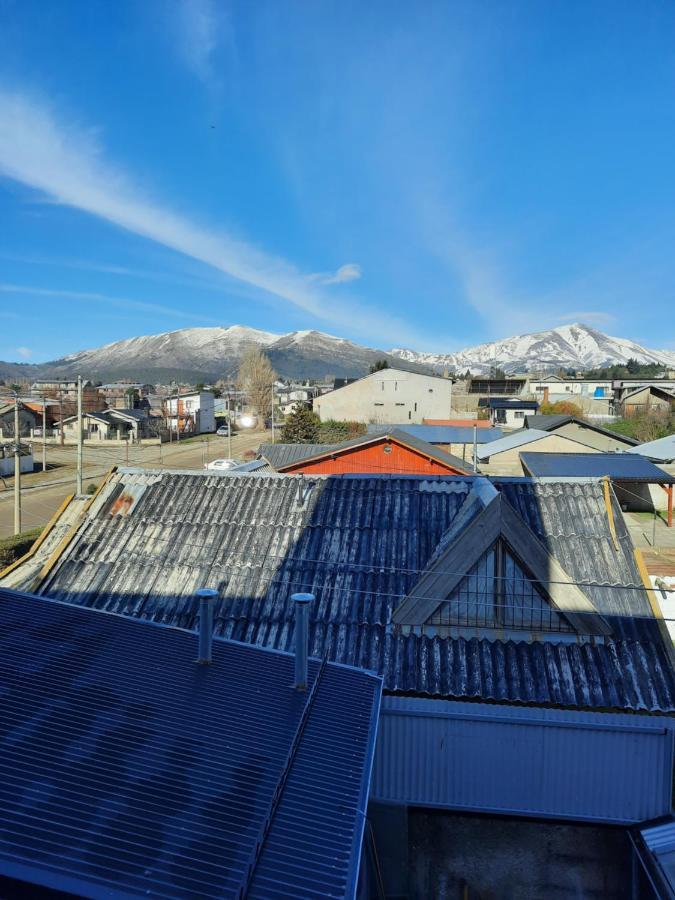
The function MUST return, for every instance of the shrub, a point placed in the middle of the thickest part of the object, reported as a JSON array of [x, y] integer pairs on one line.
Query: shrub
[[12, 548]]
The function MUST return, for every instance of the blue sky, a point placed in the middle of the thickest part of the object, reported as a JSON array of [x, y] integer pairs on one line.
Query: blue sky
[[429, 175]]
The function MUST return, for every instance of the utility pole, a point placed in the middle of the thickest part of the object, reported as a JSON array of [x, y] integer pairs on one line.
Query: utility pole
[[44, 434], [272, 412], [79, 434], [61, 414], [475, 448], [17, 467]]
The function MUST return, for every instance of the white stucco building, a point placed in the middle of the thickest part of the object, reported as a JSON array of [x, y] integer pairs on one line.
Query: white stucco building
[[390, 396], [192, 413]]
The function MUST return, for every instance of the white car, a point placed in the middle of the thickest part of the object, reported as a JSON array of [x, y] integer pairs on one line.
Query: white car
[[223, 431], [221, 465]]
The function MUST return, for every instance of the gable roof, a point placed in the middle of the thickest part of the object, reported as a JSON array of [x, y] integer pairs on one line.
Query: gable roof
[[519, 438], [553, 422], [280, 455], [143, 773], [661, 450], [653, 389], [394, 435], [618, 466], [497, 520], [442, 434], [359, 543]]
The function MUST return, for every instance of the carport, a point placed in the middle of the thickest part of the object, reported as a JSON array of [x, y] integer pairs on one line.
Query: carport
[[620, 468]]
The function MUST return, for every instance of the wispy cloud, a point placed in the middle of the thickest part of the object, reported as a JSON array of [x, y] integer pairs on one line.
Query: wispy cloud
[[106, 300], [200, 28], [343, 275], [24, 352], [67, 164]]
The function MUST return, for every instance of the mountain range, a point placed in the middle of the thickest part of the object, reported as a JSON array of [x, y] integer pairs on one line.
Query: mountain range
[[206, 354]]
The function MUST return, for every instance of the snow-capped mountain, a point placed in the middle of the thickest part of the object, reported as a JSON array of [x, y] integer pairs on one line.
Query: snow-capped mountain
[[574, 346], [206, 354]]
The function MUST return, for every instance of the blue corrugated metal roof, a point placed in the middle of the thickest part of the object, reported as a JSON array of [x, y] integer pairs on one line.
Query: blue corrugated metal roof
[[128, 770], [442, 434], [606, 767], [618, 466], [360, 543]]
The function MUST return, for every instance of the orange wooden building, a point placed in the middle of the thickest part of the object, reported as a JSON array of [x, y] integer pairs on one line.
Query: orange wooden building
[[394, 453]]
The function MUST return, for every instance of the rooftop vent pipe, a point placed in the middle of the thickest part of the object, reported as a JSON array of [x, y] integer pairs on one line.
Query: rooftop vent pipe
[[207, 597], [302, 602]]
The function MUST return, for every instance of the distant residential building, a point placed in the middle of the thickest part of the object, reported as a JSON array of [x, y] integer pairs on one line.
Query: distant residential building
[[126, 394], [394, 452], [503, 456], [191, 413], [28, 419], [110, 424], [388, 396], [508, 411], [650, 398], [587, 433]]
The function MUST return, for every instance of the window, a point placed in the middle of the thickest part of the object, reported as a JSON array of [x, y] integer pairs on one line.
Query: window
[[415, 407], [379, 404], [409, 414], [519, 414], [431, 390], [399, 404], [396, 385], [387, 448], [382, 385]]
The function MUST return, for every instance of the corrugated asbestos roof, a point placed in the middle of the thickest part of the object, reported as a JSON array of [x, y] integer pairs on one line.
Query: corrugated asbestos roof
[[130, 771], [619, 466], [278, 455], [359, 543], [442, 434]]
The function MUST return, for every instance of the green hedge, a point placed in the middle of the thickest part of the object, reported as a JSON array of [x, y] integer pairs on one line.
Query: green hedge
[[12, 548]]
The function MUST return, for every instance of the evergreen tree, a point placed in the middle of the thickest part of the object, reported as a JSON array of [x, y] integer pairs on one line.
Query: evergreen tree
[[301, 427]]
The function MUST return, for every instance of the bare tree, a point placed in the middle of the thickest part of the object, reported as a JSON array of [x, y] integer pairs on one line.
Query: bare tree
[[256, 377]]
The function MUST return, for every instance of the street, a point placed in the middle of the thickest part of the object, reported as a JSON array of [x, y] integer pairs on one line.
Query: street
[[40, 502]]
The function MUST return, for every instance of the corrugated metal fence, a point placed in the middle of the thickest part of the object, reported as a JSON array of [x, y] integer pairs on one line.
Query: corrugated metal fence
[[509, 760]]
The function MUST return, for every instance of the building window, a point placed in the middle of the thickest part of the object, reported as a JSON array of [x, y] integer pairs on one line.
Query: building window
[[387, 448], [431, 390], [399, 404], [379, 404], [396, 385], [415, 409], [409, 414], [518, 414], [382, 385]]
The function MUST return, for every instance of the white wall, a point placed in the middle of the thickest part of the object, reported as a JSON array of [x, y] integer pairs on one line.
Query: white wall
[[388, 397]]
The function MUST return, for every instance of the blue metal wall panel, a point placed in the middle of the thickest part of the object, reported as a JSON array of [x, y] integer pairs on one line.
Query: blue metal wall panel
[[523, 761]]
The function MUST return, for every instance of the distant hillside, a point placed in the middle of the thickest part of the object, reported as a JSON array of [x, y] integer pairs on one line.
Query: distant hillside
[[206, 354]]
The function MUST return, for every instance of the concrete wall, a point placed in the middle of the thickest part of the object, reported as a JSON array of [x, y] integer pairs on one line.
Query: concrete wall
[[508, 858], [387, 397], [508, 462]]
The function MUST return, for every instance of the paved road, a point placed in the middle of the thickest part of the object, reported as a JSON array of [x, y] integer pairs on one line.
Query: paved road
[[38, 504]]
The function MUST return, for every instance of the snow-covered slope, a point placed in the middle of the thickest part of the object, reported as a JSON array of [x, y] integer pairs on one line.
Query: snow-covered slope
[[196, 354], [576, 346], [201, 354]]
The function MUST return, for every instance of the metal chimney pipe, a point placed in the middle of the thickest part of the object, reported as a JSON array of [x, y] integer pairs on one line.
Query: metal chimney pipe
[[207, 597], [302, 602]]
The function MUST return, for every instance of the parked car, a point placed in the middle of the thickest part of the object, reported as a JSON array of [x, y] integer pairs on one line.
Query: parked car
[[223, 431], [221, 465]]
